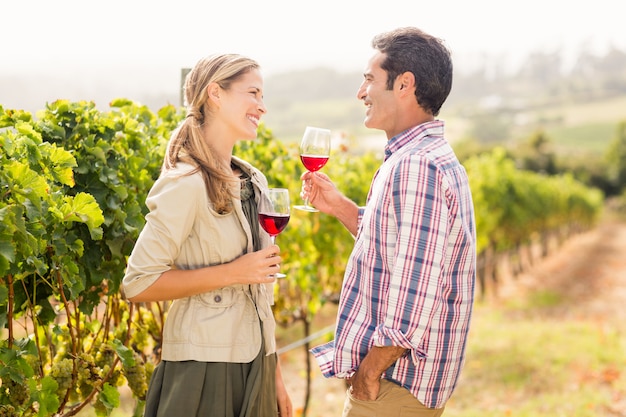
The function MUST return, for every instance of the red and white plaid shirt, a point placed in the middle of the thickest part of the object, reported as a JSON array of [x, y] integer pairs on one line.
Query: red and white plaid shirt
[[410, 278]]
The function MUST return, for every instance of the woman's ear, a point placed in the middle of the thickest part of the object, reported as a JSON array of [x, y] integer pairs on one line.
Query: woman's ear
[[213, 92]]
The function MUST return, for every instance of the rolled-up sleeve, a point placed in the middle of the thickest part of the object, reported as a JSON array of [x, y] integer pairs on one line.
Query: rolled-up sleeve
[[172, 203]]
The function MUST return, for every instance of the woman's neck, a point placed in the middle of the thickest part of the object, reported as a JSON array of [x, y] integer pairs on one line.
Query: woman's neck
[[220, 143]]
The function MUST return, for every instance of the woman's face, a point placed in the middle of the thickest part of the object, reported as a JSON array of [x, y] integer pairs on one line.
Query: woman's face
[[241, 106]]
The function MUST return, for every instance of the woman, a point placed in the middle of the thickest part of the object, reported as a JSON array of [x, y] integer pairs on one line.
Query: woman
[[202, 247]]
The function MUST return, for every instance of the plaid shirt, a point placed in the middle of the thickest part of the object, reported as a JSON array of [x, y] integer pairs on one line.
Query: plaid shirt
[[410, 278]]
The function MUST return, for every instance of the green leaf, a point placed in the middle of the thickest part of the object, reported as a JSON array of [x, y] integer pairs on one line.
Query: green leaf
[[27, 182], [63, 162], [120, 102], [7, 250], [83, 208], [14, 366], [125, 354], [109, 396], [29, 131], [5, 267], [45, 395]]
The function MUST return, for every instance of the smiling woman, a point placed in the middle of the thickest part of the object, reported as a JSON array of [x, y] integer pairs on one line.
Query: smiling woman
[[202, 248]]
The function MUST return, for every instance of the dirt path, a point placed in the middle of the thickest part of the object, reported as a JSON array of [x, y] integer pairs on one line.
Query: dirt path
[[587, 274]]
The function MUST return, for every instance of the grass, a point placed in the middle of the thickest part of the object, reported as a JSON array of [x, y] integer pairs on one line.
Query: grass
[[578, 127], [523, 364], [591, 138], [584, 112]]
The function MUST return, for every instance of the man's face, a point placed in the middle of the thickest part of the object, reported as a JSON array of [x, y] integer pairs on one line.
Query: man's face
[[380, 102]]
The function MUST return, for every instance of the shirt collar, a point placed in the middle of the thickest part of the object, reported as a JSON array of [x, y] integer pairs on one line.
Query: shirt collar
[[415, 133]]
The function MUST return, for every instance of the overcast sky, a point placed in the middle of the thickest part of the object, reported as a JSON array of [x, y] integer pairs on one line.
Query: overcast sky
[[148, 40]]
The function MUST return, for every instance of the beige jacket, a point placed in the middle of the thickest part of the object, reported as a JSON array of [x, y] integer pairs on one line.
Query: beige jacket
[[182, 231]]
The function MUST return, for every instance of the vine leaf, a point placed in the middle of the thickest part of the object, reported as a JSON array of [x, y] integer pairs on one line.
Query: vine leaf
[[109, 396], [62, 164], [28, 183], [85, 209], [125, 354], [45, 395]]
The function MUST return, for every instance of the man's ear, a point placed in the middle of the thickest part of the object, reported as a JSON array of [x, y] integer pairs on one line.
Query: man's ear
[[406, 80]]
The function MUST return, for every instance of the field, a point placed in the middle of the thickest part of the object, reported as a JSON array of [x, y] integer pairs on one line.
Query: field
[[584, 127], [572, 128]]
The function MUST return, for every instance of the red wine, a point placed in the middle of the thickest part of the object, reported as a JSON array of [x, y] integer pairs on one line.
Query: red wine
[[313, 162], [273, 223]]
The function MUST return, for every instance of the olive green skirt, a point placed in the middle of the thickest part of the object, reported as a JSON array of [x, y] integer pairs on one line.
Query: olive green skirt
[[214, 389]]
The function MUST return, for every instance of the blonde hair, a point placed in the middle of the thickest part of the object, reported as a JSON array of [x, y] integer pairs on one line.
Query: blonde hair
[[188, 144]]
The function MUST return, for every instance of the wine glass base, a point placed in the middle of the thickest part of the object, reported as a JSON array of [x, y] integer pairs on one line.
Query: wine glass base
[[306, 208]]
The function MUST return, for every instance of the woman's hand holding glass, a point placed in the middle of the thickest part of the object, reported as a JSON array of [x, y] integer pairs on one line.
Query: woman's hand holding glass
[[274, 213], [255, 267]]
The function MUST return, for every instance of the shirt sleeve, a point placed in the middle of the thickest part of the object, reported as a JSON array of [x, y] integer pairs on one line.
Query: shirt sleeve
[[420, 212], [173, 203]]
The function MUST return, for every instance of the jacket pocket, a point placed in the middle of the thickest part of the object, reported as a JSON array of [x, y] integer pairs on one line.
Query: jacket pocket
[[225, 318]]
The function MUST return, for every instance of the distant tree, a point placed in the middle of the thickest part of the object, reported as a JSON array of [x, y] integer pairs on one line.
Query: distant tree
[[613, 70], [491, 128], [542, 69], [616, 159], [589, 169], [613, 62], [537, 155], [312, 85]]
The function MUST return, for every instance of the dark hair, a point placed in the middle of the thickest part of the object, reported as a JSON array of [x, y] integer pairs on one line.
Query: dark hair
[[411, 49]]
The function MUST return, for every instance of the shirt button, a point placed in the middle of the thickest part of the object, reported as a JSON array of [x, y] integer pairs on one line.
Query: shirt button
[[218, 298]]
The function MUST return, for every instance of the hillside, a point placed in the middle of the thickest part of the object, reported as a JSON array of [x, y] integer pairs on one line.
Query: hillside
[[578, 109]]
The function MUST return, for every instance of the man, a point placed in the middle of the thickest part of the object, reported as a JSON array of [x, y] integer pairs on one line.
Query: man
[[408, 289]]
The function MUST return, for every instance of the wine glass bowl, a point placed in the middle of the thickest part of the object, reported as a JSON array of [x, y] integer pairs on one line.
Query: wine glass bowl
[[314, 154], [274, 213], [273, 224], [313, 163]]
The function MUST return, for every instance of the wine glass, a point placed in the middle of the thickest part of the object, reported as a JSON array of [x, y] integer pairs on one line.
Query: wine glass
[[274, 213], [314, 153]]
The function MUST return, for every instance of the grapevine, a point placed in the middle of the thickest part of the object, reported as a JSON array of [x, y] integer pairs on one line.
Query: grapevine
[[73, 184], [137, 377], [62, 371], [17, 393], [8, 411]]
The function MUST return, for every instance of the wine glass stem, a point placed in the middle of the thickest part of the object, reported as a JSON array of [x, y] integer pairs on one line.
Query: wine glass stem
[[273, 240], [306, 201]]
